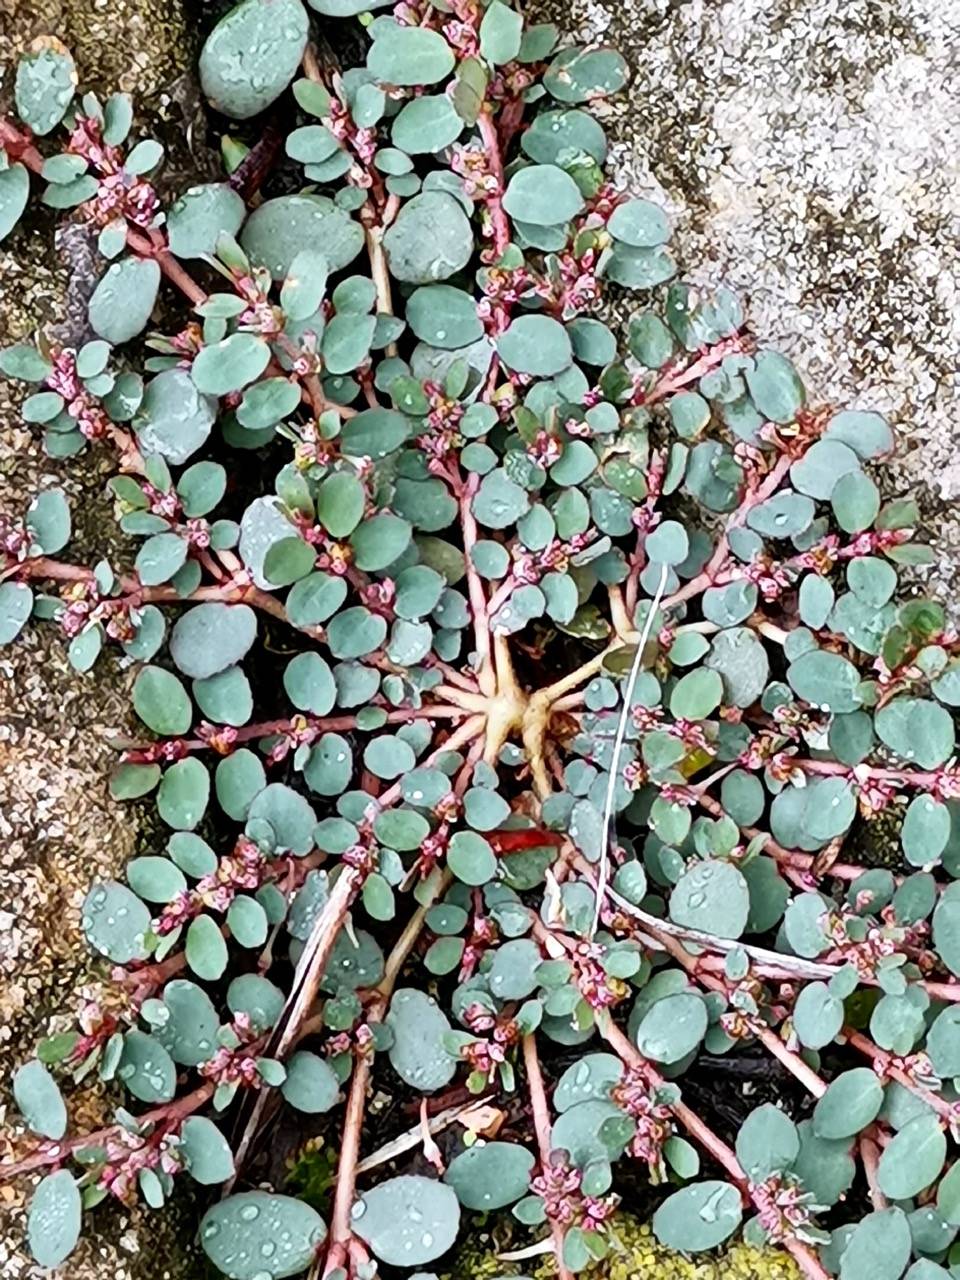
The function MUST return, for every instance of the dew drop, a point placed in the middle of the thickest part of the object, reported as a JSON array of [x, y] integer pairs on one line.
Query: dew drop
[[426, 1239], [358, 1210], [249, 1212]]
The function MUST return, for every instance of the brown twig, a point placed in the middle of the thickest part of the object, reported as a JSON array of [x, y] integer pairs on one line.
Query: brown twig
[[306, 982], [341, 1234]]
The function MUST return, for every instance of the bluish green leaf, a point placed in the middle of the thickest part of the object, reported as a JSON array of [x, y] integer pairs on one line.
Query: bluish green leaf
[[53, 1225], [252, 54], [120, 305]]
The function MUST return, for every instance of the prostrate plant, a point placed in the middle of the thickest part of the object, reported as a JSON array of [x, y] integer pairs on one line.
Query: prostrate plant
[[445, 845]]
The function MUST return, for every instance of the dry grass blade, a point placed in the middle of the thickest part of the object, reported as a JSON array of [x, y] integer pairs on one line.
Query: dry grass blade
[[603, 875]]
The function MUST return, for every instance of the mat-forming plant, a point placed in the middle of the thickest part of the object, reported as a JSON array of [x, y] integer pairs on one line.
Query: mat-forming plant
[[510, 684]]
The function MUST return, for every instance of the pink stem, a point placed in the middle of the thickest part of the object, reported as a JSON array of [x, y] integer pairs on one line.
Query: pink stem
[[498, 217], [170, 1113], [675, 378], [882, 1060], [870, 1154], [451, 675], [468, 732], [329, 724], [788, 857], [712, 575], [809, 1078], [926, 778], [542, 1128]]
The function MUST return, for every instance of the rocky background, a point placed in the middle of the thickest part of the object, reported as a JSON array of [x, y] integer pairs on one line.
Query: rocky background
[[808, 151], [59, 829]]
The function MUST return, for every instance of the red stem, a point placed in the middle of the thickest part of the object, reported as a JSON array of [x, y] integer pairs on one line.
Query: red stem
[[880, 1058], [542, 1128], [329, 724], [56, 1153], [498, 216]]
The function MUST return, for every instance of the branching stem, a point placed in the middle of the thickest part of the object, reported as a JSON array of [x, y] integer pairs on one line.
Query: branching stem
[[170, 1114], [806, 1259]]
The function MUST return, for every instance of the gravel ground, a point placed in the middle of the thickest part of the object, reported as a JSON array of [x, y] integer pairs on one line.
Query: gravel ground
[[807, 150]]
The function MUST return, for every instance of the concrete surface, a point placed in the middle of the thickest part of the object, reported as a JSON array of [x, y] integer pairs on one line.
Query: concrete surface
[[808, 151]]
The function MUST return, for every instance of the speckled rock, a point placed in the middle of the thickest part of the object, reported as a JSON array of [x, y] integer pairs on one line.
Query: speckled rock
[[804, 148], [141, 45], [59, 829]]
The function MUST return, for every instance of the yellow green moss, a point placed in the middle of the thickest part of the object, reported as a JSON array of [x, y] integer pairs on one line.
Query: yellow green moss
[[635, 1253]]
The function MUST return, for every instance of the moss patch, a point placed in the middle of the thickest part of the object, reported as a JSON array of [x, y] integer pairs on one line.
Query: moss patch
[[636, 1254]]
